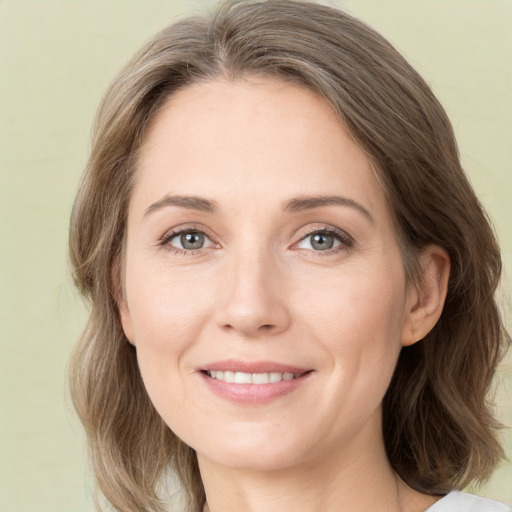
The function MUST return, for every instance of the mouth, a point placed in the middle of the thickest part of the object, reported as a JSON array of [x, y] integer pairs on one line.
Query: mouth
[[253, 383], [232, 377]]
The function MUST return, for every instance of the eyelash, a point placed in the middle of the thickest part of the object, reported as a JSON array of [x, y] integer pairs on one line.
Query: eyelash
[[164, 241], [346, 241]]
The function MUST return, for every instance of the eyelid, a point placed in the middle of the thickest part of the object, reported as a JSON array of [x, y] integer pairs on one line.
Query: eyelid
[[347, 241], [178, 230]]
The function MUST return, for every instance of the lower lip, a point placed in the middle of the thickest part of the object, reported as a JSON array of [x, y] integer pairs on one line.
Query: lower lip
[[253, 394]]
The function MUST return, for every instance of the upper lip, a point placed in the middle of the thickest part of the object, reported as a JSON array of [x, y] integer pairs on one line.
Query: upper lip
[[232, 365]]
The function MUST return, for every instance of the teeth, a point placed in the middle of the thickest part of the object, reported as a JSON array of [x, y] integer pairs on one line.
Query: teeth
[[260, 378], [242, 378], [250, 378]]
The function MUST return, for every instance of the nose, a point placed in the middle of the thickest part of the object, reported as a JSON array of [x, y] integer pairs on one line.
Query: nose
[[252, 297]]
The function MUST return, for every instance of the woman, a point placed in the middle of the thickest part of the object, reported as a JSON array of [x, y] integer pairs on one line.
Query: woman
[[291, 280]]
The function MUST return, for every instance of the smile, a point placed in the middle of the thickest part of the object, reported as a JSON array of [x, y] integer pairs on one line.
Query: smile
[[252, 378], [253, 383]]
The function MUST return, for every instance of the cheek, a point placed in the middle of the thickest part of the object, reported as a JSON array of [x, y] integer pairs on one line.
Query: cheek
[[359, 319], [165, 328], [356, 305], [165, 307], [167, 319]]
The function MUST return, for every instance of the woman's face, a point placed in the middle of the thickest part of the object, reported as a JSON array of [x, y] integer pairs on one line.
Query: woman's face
[[263, 286]]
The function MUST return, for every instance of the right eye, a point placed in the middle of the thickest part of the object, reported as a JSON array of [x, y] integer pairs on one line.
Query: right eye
[[188, 240]]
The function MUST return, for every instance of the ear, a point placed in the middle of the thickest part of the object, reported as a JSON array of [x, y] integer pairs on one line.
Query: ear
[[126, 320], [426, 300], [122, 303]]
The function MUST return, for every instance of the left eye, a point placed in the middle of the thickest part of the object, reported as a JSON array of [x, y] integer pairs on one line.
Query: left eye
[[189, 240], [320, 241]]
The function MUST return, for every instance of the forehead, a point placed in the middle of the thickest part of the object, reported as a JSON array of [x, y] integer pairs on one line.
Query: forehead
[[264, 139]]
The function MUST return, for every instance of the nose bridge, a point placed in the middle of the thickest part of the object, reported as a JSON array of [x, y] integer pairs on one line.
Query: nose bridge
[[252, 270], [252, 302]]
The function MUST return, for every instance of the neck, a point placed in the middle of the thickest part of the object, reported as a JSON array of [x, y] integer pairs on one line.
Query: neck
[[357, 478]]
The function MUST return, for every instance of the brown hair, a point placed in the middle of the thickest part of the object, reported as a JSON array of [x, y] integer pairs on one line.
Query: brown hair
[[438, 428]]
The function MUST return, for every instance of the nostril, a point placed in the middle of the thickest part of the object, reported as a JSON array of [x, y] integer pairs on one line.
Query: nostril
[[252, 317]]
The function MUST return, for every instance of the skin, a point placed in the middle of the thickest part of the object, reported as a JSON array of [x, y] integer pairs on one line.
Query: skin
[[259, 290]]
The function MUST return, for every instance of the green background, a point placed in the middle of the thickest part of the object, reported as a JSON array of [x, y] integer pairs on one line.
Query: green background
[[56, 59]]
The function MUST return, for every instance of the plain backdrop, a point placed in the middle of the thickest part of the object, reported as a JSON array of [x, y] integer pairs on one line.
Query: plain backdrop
[[56, 60]]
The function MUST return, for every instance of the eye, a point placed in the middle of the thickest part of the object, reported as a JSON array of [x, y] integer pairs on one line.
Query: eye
[[187, 240], [324, 240]]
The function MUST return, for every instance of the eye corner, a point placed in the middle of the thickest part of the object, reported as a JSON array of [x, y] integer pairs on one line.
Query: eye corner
[[333, 240], [198, 236]]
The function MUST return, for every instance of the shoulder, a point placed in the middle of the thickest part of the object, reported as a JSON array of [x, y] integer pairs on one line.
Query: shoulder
[[462, 502]]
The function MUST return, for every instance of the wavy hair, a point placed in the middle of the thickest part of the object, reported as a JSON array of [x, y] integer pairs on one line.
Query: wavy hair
[[439, 430]]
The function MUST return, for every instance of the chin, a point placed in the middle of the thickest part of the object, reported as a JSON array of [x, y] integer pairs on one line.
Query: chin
[[241, 445], [256, 451], [268, 458]]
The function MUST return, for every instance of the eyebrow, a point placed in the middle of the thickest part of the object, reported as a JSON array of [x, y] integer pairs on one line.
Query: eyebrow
[[301, 204], [298, 204], [188, 202]]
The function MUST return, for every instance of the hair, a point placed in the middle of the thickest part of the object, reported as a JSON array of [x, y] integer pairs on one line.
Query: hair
[[438, 426]]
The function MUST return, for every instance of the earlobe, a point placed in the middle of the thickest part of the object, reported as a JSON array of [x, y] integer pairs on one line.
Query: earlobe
[[426, 301]]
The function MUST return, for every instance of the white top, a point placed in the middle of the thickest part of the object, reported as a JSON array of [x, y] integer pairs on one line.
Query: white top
[[462, 502]]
